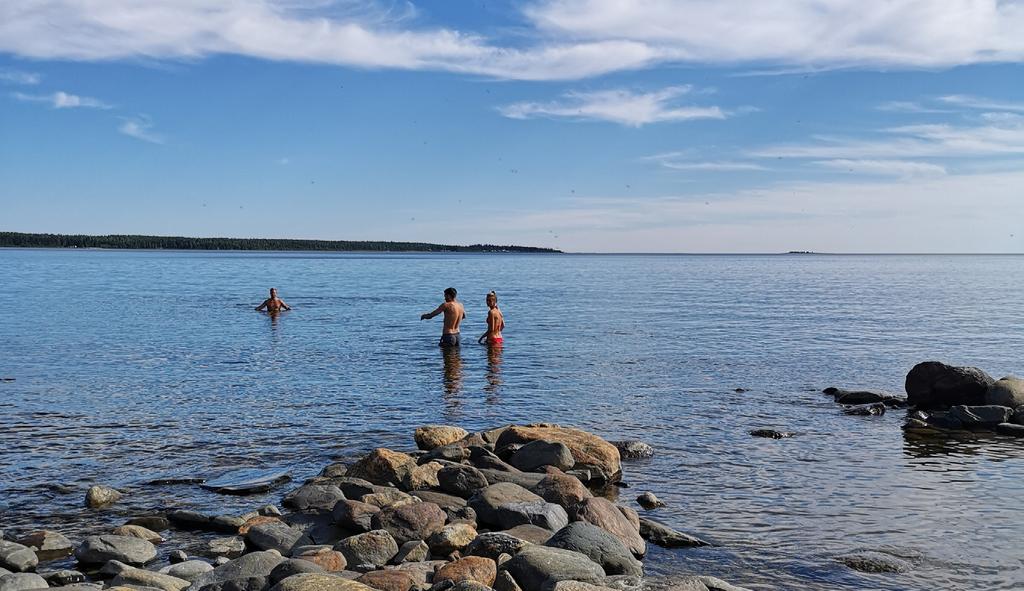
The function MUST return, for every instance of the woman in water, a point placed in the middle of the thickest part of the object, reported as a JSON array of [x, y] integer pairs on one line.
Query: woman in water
[[495, 322]]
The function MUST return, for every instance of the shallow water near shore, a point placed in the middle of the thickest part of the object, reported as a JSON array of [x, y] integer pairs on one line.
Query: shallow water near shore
[[130, 366]]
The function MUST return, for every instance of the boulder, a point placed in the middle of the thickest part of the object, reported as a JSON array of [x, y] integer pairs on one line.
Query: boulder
[[505, 582], [355, 515], [486, 503], [152, 522], [276, 536], [383, 466], [462, 481], [453, 452], [666, 537], [318, 582], [292, 566], [334, 470], [247, 481], [16, 557], [374, 548], [560, 488], [530, 533], [980, 417], [189, 519], [314, 497], [63, 578], [101, 549], [494, 544], [47, 543], [143, 578], [422, 477], [389, 580], [253, 565], [537, 568], [423, 572], [22, 582], [452, 538], [100, 496], [631, 516], [189, 570], [875, 562], [471, 568], [633, 449], [536, 455], [327, 559], [415, 551], [1018, 416], [604, 514], [936, 385], [526, 480], [442, 500], [388, 497], [1008, 391], [857, 397], [483, 458], [354, 488], [598, 545], [432, 437], [137, 531], [406, 523], [232, 547], [540, 513], [586, 448]]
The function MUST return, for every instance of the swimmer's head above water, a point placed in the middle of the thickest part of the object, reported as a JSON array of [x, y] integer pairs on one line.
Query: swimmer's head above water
[[449, 294]]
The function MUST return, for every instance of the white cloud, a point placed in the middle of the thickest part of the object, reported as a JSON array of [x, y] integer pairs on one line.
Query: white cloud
[[18, 77], [978, 102], [899, 168], [563, 39], [63, 100], [909, 107], [920, 214], [139, 128], [617, 106], [284, 161], [906, 33], [995, 135]]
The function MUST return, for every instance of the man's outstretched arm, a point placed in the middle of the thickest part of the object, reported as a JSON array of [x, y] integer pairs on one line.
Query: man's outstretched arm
[[430, 315], [262, 306]]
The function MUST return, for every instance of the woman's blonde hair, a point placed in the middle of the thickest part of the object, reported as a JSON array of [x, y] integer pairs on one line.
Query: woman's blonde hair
[[491, 294]]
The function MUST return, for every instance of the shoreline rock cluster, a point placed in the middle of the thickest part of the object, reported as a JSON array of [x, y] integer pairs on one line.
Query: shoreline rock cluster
[[508, 509], [946, 398]]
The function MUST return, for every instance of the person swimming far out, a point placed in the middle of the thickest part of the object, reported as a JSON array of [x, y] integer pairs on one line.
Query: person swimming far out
[[495, 322], [454, 313], [273, 304]]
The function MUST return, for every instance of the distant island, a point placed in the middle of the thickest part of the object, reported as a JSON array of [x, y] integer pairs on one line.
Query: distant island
[[130, 241]]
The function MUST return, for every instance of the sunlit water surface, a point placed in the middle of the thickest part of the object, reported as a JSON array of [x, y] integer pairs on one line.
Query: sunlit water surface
[[135, 365]]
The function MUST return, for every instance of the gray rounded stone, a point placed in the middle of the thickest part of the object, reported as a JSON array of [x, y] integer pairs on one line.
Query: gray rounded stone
[[534, 456], [22, 582], [536, 568], [1008, 391], [101, 549], [598, 545]]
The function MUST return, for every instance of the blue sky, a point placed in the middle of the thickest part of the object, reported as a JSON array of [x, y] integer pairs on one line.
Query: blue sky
[[585, 125]]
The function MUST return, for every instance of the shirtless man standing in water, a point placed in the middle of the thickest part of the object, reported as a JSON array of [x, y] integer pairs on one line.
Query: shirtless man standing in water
[[453, 315], [273, 304]]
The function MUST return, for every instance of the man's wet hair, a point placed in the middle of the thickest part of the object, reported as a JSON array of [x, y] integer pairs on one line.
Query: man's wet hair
[[450, 293]]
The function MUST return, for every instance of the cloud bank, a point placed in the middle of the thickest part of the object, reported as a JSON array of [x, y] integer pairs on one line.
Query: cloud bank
[[617, 106]]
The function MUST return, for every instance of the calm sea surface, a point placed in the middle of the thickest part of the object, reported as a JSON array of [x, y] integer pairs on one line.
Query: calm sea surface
[[134, 365]]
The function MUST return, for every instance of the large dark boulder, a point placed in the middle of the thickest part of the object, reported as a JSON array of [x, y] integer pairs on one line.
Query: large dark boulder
[[936, 385], [537, 568], [598, 545]]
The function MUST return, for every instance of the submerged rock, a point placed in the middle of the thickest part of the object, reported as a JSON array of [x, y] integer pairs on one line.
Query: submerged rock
[[875, 562], [248, 481], [865, 410], [932, 384], [1010, 429], [980, 417], [771, 433], [649, 501], [666, 537]]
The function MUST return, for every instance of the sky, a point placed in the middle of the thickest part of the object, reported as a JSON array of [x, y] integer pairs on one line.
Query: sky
[[583, 125]]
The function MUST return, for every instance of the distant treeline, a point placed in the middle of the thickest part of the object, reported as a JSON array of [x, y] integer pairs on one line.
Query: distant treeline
[[128, 241]]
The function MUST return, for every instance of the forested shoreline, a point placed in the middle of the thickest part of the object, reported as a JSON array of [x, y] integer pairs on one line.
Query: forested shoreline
[[133, 241]]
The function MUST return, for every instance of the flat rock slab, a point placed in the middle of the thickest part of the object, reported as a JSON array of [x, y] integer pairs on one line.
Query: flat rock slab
[[247, 482]]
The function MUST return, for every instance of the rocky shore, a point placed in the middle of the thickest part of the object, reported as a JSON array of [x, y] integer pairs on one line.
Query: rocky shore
[[517, 508]]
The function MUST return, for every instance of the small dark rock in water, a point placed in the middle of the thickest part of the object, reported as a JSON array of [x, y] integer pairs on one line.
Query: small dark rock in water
[[944, 421], [865, 410], [864, 397], [666, 537], [6, 379], [649, 501], [633, 449], [156, 523], [981, 417], [771, 433], [177, 556], [740, 390], [63, 578], [189, 519], [875, 562]]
